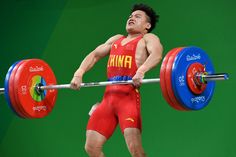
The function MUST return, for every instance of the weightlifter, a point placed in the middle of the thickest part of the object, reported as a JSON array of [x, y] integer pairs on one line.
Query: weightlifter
[[130, 57]]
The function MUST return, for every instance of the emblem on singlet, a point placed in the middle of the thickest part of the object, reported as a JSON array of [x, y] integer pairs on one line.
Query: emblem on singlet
[[121, 61], [130, 119]]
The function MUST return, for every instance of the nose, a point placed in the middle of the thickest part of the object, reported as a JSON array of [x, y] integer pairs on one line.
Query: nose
[[131, 20]]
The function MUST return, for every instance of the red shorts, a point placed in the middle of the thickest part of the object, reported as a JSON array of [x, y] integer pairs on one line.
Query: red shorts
[[120, 104]]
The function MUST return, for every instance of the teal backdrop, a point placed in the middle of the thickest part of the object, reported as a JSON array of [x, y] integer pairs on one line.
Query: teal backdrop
[[63, 32]]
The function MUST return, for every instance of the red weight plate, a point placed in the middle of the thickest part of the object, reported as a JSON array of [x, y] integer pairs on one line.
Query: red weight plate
[[193, 69], [29, 74], [174, 102], [11, 92], [162, 76]]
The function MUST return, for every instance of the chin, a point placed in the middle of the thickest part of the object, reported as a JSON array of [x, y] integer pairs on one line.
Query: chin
[[130, 30]]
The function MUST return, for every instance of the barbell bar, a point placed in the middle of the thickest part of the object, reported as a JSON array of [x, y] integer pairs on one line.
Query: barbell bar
[[206, 78], [39, 88]]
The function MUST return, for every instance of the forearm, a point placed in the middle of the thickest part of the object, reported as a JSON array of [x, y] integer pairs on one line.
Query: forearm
[[86, 65], [89, 61], [152, 60]]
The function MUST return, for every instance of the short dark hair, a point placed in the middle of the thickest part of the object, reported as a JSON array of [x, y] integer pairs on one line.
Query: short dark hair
[[153, 17]]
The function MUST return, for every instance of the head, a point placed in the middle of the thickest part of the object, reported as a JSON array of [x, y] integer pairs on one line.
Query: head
[[142, 19]]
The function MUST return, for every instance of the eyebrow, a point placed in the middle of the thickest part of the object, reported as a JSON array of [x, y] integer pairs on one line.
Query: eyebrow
[[138, 14], [135, 15]]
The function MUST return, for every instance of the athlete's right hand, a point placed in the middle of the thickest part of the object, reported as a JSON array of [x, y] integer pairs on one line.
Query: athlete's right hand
[[76, 82]]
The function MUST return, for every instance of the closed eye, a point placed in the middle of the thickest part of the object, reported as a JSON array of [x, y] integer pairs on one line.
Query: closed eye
[[138, 16]]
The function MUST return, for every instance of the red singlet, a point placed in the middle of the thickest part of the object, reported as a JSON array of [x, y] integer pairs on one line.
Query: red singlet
[[121, 103]]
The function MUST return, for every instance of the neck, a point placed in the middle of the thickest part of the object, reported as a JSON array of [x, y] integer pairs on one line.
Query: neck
[[134, 35]]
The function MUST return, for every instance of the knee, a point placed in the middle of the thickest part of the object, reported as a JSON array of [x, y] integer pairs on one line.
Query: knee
[[92, 150], [136, 150]]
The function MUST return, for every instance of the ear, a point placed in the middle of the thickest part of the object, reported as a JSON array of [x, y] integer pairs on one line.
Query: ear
[[148, 26]]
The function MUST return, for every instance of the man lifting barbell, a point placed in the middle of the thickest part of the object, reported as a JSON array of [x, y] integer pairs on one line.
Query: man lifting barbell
[[187, 82], [130, 57]]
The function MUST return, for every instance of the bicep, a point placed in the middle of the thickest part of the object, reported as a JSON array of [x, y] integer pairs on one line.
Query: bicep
[[104, 49]]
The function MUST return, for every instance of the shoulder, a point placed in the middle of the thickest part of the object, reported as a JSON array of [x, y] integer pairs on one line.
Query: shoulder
[[114, 38], [151, 37], [152, 41]]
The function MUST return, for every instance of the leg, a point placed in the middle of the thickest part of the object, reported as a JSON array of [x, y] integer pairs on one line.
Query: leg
[[94, 143], [133, 141], [130, 122], [101, 125]]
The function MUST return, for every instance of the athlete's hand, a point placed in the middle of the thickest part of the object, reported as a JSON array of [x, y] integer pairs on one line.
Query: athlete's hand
[[76, 82], [137, 79]]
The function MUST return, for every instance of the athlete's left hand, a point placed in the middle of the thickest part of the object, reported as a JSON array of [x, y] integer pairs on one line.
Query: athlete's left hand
[[137, 79]]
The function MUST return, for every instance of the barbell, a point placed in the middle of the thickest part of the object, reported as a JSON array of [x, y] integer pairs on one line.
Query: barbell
[[187, 81]]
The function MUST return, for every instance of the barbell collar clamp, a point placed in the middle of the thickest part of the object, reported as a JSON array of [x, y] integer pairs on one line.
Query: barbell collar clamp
[[215, 77]]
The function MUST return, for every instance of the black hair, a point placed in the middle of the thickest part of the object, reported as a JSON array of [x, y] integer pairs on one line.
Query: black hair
[[153, 17]]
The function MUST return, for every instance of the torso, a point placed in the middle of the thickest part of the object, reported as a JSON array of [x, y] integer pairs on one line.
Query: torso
[[135, 47]]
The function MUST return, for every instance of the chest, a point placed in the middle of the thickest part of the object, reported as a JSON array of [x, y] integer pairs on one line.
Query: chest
[[126, 47]]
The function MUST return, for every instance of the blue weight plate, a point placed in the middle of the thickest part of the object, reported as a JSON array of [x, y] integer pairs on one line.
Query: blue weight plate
[[183, 60], [6, 86]]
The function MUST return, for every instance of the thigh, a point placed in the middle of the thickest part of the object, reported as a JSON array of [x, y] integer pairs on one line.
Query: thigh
[[103, 120], [129, 112]]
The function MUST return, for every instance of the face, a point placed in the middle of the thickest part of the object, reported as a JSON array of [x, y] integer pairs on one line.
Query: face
[[138, 22]]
